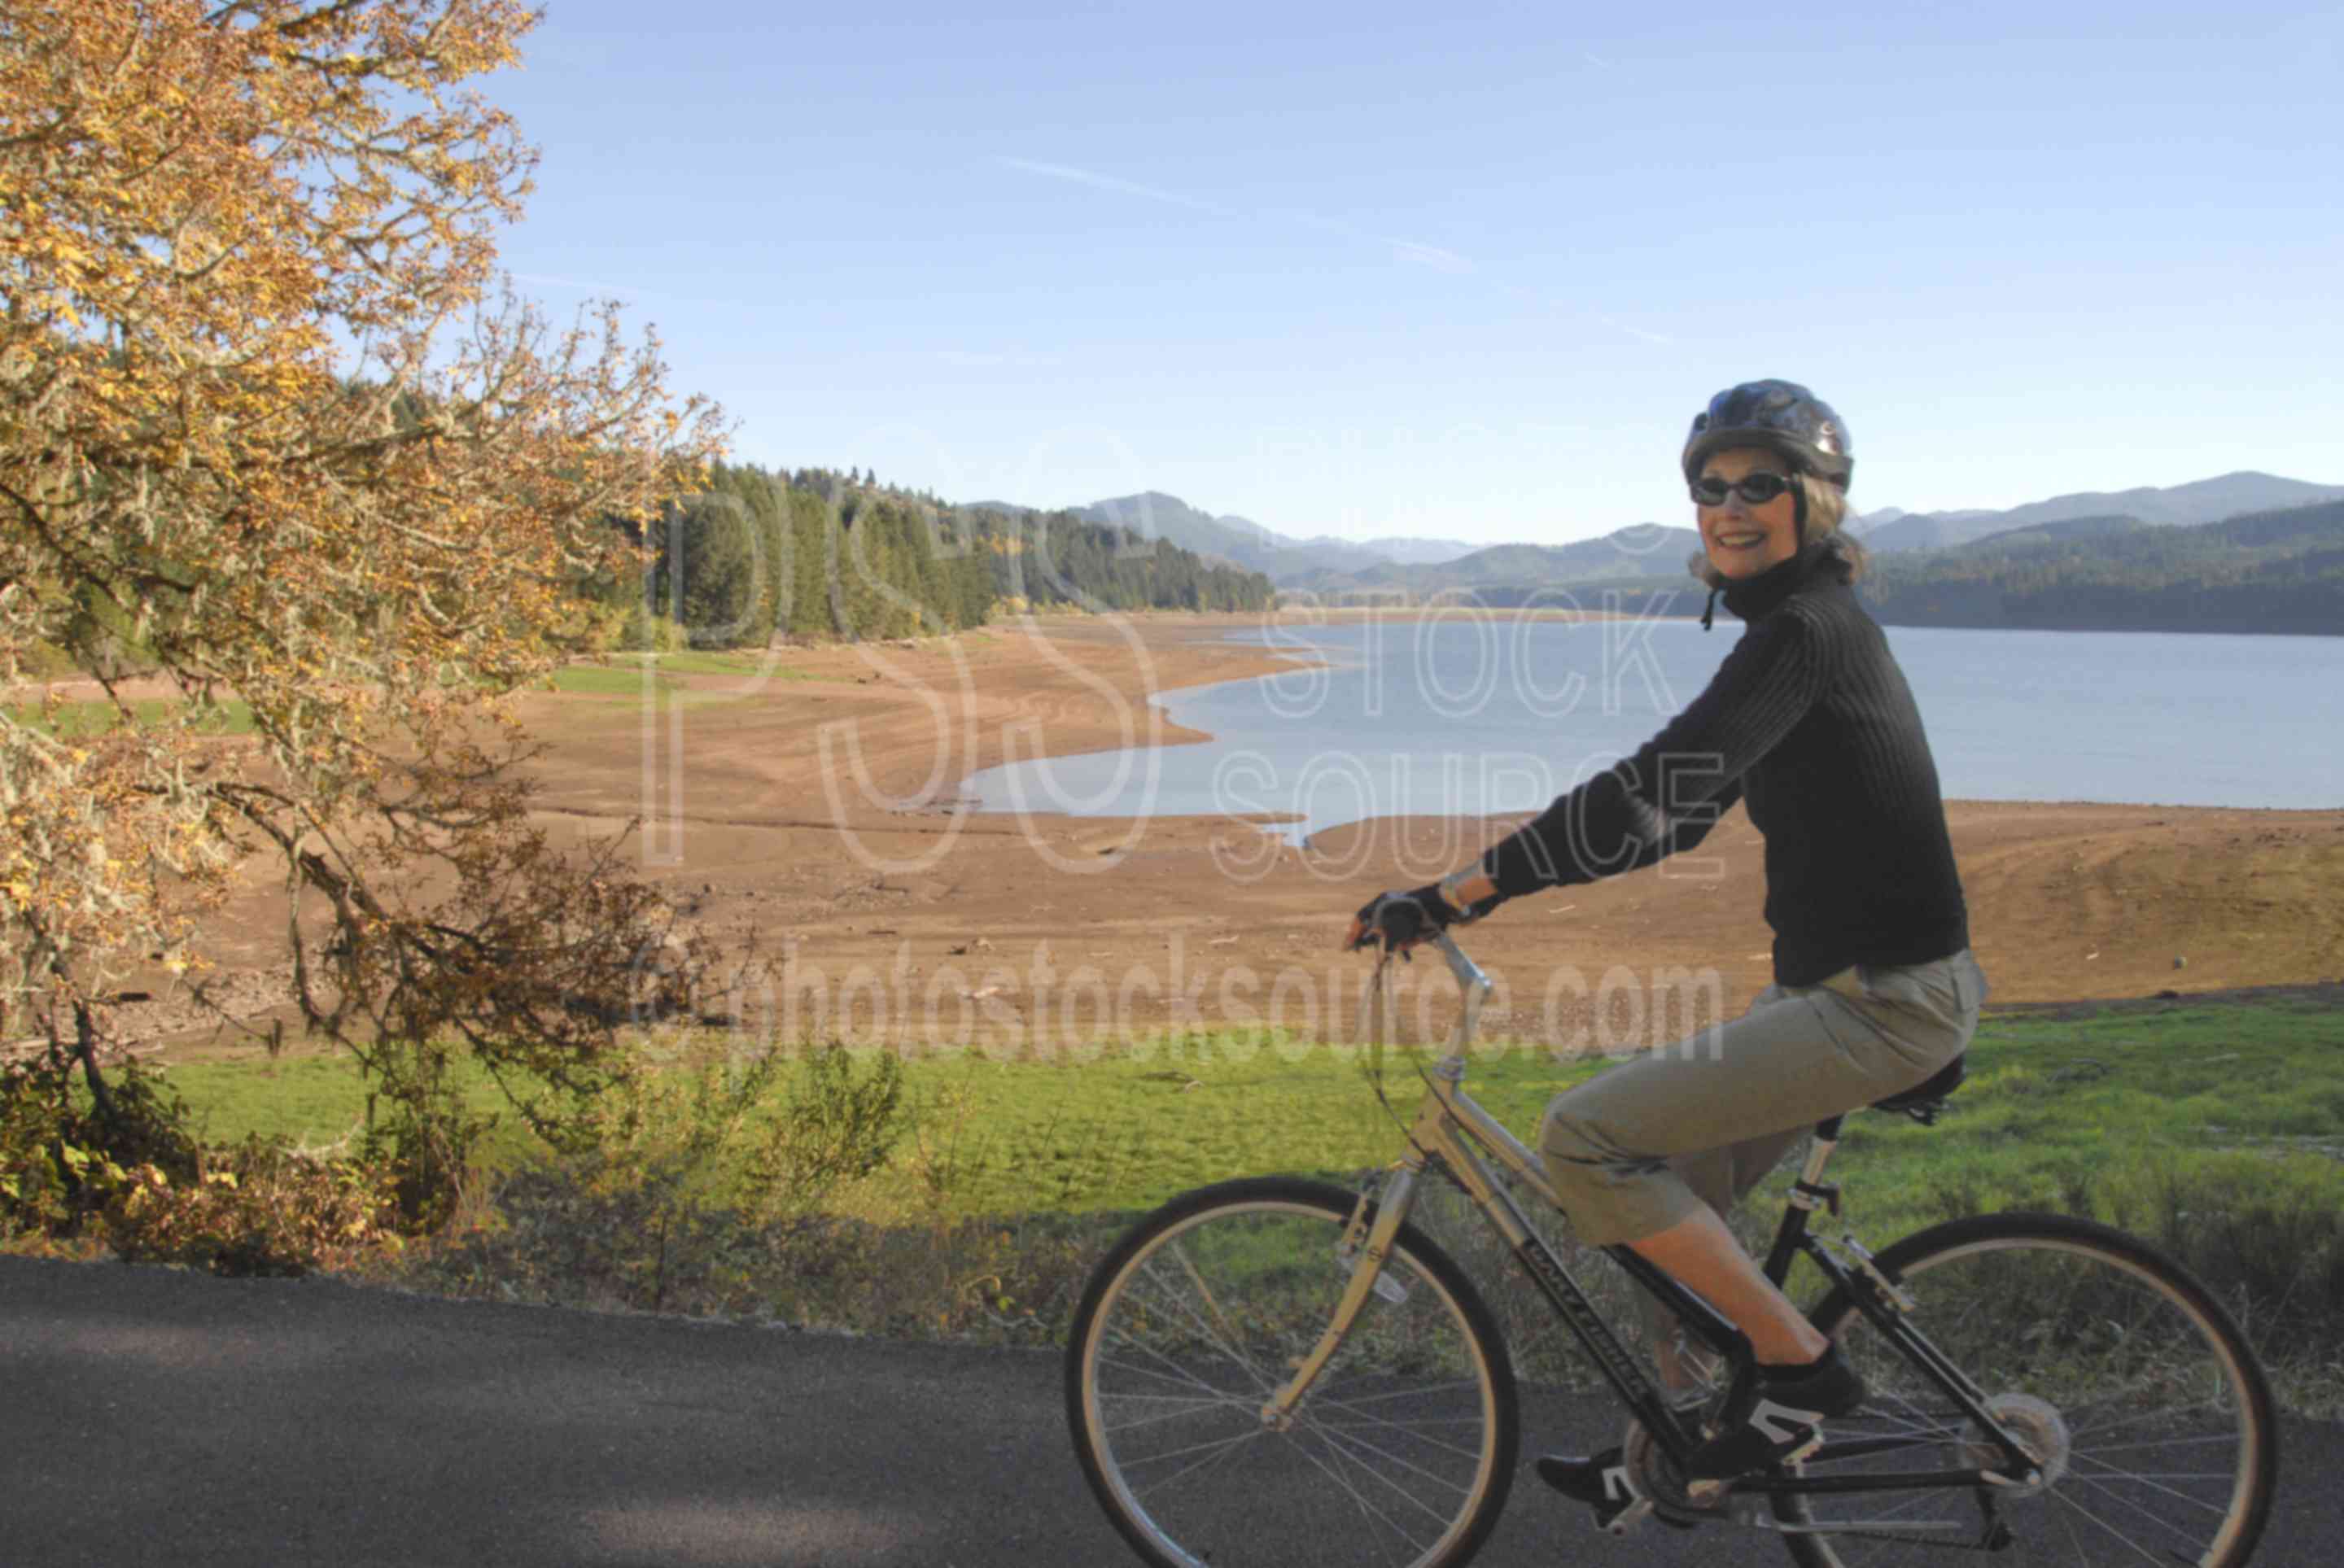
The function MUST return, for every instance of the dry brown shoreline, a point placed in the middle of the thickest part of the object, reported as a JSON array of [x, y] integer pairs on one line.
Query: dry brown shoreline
[[927, 920]]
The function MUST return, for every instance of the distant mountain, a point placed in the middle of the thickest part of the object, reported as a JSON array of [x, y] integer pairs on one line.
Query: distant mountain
[[1645, 554], [1929, 530], [1163, 516], [1420, 552], [2268, 571], [2050, 535], [2199, 501], [1246, 543], [1321, 554], [1652, 556]]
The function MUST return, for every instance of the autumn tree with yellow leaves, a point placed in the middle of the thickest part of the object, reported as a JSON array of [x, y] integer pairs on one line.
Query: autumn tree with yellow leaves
[[269, 417]]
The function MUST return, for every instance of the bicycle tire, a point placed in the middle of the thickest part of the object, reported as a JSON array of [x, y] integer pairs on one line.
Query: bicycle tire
[[2109, 1361], [1402, 1453]]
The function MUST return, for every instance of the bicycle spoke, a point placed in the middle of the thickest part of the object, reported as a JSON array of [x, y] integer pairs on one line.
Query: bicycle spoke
[[2144, 1412], [1398, 1448], [1388, 1426], [2067, 1527], [2103, 1484], [1369, 1509], [1178, 1374], [1221, 1452], [2081, 1433], [1205, 1329], [2069, 1499], [1195, 1406], [1214, 1443], [1395, 1459], [1327, 1395], [2168, 1442]]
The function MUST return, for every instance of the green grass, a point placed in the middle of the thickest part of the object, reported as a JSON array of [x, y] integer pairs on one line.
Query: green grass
[[2050, 1106], [82, 719], [711, 662], [624, 677], [1144, 1122], [602, 680], [2212, 1130], [313, 1100]]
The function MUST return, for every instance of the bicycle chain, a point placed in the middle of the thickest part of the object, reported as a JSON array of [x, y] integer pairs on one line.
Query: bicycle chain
[[1939, 1542], [1987, 1544]]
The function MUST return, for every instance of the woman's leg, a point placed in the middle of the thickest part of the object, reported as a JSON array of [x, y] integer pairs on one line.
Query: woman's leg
[[1657, 1148], [1685, 1143], [1720, 1179], [1699, 1251]]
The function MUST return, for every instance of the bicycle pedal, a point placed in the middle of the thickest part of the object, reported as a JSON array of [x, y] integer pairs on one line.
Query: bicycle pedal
[[1622, 1518]]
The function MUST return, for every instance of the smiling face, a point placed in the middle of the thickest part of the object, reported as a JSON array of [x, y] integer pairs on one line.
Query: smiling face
[[1743, 540]]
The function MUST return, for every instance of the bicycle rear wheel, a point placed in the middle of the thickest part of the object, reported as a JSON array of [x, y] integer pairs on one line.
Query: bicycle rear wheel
[[2127, 1384], [1401, 1454]]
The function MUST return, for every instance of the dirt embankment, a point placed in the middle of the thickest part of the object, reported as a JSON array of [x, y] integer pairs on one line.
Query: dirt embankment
[[816, 804]]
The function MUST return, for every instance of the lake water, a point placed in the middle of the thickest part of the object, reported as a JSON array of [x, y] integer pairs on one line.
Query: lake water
[[1470, 716]]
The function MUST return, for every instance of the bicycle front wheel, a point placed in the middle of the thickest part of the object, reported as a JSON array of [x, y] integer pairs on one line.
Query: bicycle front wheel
[[2142, 1405], [1401, 1453]]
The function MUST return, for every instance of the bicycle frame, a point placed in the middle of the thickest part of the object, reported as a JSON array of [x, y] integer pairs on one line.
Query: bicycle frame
[[1454, 1133]]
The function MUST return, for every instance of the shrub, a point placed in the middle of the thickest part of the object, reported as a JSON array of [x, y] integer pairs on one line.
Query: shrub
[[698, 1187], [2263, 1229], [838, 1126], [66, 1154], [643, 632], [262, 1209], [38, 660], [417, 1131]]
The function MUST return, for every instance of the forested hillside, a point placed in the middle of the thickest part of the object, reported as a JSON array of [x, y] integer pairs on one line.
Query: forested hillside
[[815, 553], [2274, 571], [2270, 571]]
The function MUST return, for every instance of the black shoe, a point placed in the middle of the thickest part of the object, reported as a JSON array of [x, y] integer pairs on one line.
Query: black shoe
[[1605, 1483], [1780, 1418]]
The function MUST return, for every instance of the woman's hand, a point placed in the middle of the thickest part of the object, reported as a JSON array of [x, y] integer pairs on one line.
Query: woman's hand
[[1399, 921], [1403, 920]]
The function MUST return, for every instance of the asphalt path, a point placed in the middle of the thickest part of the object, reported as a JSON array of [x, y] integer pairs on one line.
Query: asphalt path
[[154, 1416]]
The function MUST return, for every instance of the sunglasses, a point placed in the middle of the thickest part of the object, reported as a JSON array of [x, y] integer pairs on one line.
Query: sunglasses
[[1756, 489]]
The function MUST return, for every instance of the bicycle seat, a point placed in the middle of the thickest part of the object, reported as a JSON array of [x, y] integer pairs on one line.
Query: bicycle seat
[[1922, 1101]]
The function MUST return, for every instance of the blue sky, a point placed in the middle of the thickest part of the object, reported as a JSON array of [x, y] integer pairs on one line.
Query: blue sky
[[1365, 270]]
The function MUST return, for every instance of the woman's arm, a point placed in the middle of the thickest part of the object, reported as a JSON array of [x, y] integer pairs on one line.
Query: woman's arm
[[1665, 797]]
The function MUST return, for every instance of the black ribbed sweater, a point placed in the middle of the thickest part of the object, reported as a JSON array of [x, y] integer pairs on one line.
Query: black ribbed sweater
[[1810, 723]]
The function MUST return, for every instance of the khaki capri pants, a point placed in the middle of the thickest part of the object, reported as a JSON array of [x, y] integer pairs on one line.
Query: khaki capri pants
[[1636, 1149]]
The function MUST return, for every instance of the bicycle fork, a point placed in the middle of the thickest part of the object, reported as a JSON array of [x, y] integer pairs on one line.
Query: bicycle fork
[[1368, 1237]]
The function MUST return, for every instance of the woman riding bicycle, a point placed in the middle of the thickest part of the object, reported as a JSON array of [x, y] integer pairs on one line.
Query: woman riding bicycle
[[1808, 722]]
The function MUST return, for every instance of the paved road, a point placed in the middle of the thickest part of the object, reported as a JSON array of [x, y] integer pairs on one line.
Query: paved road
[[156, 1417]]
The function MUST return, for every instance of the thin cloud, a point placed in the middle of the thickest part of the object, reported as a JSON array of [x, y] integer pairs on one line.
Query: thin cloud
[[989, 359], [1109, 183], [1415, 253], [1309, 219], [1636, 332], [1595, 59], [1431, 255]]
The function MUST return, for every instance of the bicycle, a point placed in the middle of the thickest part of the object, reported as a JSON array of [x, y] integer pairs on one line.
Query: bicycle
[[1277, 1371]]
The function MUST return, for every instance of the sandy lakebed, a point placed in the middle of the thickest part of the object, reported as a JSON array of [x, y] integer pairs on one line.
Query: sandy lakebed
[[816, 804]]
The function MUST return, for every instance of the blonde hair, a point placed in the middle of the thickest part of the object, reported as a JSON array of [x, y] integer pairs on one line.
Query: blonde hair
[[1826, 509]]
